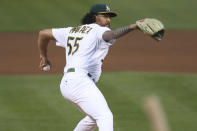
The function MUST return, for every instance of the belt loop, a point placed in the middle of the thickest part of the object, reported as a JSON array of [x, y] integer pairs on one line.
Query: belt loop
[[89, 75]]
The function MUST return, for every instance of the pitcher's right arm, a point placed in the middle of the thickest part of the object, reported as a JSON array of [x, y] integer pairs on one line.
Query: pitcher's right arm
[[43, 39]]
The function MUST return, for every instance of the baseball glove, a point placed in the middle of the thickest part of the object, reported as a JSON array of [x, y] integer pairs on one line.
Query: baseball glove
[[152, 27]]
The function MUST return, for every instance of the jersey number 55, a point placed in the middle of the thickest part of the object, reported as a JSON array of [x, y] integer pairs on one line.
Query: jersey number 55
[[70, 41]]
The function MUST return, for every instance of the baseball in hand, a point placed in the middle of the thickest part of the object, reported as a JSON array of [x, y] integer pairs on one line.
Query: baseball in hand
[[46, 68]]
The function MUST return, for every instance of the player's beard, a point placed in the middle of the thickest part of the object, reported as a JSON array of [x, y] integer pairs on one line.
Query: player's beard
[[108, 24], [105, 24]]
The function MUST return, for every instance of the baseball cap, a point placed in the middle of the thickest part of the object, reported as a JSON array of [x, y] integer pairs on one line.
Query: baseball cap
[[102, 9]]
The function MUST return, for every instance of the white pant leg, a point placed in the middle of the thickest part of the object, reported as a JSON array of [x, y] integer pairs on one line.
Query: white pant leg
[[86, 124], [83, 92]]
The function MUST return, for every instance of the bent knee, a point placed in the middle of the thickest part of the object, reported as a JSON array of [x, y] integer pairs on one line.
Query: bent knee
[[105, 122], [107, 117]]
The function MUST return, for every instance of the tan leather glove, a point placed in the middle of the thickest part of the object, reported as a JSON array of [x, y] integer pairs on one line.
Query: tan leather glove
[[152, 27]]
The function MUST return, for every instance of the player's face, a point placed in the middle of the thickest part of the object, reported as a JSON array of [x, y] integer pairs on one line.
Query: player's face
[[103, 20]]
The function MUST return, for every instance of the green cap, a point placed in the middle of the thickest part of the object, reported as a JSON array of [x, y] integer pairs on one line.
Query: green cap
[[102, 9]]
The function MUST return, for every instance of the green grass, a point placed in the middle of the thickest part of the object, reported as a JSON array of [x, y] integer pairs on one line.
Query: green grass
[[34, 103], [28, 15]]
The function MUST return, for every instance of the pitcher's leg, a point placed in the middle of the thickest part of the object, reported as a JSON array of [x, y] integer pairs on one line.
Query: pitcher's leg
[[86, 124], [84, 93], [93, 103], [105, 122]]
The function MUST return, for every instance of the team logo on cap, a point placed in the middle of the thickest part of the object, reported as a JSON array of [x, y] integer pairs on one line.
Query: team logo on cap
[[107, 8]]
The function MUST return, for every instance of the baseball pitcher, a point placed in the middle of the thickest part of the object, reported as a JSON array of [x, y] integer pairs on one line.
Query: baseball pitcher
[[86, 47]]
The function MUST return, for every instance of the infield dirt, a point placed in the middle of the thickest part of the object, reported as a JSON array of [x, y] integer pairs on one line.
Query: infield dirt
[[133, 52]]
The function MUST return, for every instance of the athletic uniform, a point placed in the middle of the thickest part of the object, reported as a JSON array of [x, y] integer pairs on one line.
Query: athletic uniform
[[85, 52]]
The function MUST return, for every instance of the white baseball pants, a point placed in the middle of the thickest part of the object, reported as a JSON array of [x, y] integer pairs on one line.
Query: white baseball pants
[[82, 91]]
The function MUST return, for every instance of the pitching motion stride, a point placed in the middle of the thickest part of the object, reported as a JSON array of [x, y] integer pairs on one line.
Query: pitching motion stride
[[86, 47]]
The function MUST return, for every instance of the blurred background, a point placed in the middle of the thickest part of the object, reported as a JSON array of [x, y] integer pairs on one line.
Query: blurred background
[[136, 66]]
